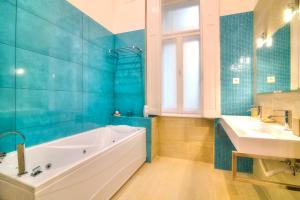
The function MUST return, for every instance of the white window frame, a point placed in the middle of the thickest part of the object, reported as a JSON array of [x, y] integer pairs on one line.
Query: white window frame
[[179, 37]]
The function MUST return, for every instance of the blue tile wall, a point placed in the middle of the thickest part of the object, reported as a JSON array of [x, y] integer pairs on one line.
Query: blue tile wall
[[56, 78], [138, 122], [275, 61], [46, 73], [57, 12], [98, 75], [236, 62], [129, 77], [7, 117], [7, 63], [7, 21], [223, 152], [97, 34], [7, 71], [236, 48], [7, 106], [49, 40]]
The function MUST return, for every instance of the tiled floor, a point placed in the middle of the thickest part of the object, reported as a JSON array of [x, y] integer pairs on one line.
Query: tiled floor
[[175, 179]]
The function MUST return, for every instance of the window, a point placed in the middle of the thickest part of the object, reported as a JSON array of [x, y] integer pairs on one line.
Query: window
[[169, 74], [180, 57], [191, 74], [182, 16]]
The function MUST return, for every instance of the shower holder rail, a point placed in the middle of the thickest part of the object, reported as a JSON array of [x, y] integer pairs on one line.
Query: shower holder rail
[[125, 52]]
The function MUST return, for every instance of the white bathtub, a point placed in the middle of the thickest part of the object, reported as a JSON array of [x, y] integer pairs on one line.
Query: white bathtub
[[87, 166]]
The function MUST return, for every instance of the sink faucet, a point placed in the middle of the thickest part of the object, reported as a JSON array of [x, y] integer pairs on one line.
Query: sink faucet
[[287, 118], [259, 111], [20, 151]]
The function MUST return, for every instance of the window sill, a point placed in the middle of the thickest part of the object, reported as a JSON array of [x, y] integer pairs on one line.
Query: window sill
[[181, 115]]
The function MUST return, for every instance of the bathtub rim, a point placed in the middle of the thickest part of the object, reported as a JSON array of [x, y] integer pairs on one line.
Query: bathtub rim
[[35, 188]]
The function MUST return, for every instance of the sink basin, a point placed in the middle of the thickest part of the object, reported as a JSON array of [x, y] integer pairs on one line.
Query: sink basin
[[251, 136]]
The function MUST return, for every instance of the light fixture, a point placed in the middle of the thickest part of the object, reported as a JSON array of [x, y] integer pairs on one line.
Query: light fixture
[[290, 11], [262, 40], [288, 15], [269, 42]]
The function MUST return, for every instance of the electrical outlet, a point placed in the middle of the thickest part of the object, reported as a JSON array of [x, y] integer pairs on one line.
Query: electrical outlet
[[236, 81], [271, 79]]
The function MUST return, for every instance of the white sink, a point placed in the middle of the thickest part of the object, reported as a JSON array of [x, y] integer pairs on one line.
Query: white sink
[[250, 135]]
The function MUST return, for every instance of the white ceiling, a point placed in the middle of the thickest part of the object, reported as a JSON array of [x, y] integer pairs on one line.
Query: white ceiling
[[100, 10], [229, 7], [116, 15], [126, 15]]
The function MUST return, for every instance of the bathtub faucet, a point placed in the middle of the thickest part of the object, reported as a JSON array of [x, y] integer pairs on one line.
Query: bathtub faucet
[[20, 151]]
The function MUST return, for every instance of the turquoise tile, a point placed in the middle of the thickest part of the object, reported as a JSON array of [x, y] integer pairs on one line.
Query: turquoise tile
[[132, 103], [48, 40], [13, 2], [129, 81], [97, 34], [97, 105], [53, 62], [99, 81], [42, 107], [7, 109], [98, 109], [129, 78], [7, 66], [223, 153], [90, 123], [132, 38], [275, 61], [44, 72], [236, 45], [42, 134], [8, 143], [58, 12], [7, 118], [8, 23], [96, 57]]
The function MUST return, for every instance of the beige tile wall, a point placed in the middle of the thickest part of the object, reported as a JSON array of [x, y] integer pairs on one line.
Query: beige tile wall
[[186, 138], [286, 101], [155, 137], [282, 101]]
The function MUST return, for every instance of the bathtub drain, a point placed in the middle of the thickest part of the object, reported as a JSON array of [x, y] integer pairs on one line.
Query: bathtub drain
[[84, 151]]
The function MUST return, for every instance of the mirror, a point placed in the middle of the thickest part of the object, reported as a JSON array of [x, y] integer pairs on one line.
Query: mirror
[[276, 34]]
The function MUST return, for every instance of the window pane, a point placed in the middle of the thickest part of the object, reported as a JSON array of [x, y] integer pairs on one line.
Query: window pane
[[191, 74], [181, 16], [169, 77]]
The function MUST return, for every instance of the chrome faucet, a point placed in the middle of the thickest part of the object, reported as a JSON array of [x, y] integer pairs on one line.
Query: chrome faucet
[[287, 118], [259, 111], [20, 151], [2, 156]]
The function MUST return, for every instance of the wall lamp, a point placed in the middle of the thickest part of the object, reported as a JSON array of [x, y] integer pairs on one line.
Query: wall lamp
[[290, 11], [264, 41]]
